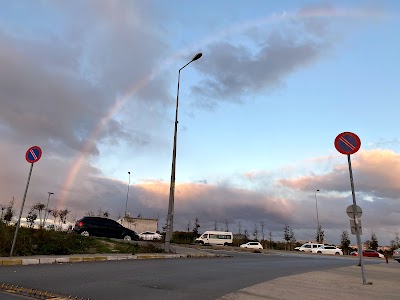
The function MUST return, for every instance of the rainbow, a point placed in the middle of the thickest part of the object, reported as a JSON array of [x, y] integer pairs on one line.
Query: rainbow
[[273, 18]]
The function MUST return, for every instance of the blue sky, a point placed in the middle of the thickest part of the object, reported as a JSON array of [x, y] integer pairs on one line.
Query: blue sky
[[94, 84]]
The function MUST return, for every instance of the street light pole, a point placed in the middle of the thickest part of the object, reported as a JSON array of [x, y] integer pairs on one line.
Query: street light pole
[[46, 212], [127, 194], [170, 217], [316, 207]]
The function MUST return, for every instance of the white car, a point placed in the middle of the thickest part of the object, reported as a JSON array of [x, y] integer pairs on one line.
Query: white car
[[328, 250], [150, 236], [252, 245]]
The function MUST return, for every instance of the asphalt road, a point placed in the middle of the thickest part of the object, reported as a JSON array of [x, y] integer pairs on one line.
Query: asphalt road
[[189, 278]]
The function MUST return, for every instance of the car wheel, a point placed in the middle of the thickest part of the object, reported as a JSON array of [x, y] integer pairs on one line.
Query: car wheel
[[127, 238], [85, 233], [337, 253], [319, 252]]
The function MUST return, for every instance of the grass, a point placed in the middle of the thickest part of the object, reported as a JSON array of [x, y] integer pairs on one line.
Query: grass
[[48, 242]]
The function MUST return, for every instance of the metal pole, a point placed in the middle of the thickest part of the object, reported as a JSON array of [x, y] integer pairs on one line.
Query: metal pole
[[127, 194], [360, 252], [316, 207], [46, 212], [170, 216], [20, 213]]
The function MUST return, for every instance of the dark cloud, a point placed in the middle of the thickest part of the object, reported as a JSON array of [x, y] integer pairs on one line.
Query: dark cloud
[[231, 70]]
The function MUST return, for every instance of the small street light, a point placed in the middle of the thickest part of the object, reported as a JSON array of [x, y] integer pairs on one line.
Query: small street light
[[127, 194], [46, 212], [170, 217]]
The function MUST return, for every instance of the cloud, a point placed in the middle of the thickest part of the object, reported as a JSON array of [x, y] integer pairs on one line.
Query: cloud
[[232, 70], [375, 173]]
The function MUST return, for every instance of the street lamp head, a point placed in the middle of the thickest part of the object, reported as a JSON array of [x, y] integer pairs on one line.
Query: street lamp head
[[50, 193], [197, 56], [317, 190], [129, 173]]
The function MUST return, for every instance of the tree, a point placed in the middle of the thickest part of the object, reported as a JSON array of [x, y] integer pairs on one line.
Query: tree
[[374, 241], [215, 225], [288, 235], [270, 239], [188, 226], [196, 227], [240, 228], [292, 237], [63, 215], [55, 213], [396, 242], [246, 234], [255, 232], [345, 241], [39, 207], [262, 229], [10, 212], [319, 237], [30, 219], [226, 225], [3, 207]]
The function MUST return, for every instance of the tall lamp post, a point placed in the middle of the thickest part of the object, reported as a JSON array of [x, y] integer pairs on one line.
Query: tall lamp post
[[316, 207], [170, 217], [46, 212], [127, 194]]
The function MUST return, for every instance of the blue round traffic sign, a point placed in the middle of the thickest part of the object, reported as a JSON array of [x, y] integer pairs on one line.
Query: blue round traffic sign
[[33, 154], [347, 143]]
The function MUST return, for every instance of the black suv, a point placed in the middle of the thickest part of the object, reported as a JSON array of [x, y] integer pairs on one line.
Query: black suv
[[103, 227]]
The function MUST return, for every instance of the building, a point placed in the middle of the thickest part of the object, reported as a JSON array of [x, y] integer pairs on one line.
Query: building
[[139, 224]]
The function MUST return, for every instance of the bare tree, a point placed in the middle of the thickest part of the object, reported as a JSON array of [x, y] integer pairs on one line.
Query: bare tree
[[255, 231], [240, 228], [55, 213], [270, 239], [262, 229], [226, 225], [215, 225]]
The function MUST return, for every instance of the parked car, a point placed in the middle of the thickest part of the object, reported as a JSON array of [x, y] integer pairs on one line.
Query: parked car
[[252, 245], [396, 254], [308, 247], [150, 236], [328, 250], [104, 227], [368, 253]]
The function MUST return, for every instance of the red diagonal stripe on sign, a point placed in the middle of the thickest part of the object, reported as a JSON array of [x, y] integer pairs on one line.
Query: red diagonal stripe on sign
[[33, 154], [347, 143]]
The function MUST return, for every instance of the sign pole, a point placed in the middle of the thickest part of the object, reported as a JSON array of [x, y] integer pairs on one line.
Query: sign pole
[[20, 213], [360, 252]]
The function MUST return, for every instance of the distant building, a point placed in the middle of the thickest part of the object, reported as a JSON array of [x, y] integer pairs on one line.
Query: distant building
[[139, 224]]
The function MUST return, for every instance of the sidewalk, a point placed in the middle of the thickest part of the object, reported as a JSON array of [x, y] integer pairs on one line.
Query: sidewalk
[[383, 282], [178, 252]]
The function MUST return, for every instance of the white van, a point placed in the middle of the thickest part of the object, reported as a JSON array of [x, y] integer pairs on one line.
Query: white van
[[308, 247], [215, 238]]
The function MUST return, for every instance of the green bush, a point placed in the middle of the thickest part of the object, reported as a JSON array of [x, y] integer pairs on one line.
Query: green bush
[[49, 242]]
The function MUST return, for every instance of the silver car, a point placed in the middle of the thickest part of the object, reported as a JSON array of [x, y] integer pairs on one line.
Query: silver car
[[396, 254]]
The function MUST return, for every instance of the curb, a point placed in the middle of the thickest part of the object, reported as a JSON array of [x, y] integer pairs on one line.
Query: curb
[[75, 259]]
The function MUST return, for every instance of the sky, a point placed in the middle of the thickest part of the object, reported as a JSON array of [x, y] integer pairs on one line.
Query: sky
[[94, 85]]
